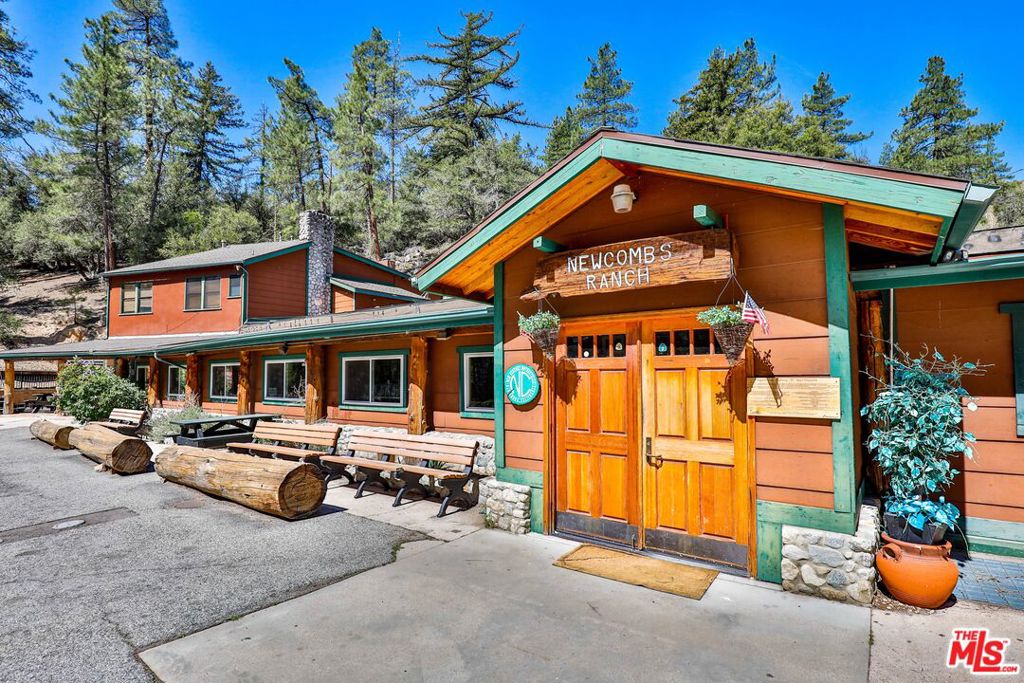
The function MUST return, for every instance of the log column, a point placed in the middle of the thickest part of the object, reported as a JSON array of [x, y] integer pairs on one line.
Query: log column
[[316, 401], [193, 381], [8, 387], [245, 395], [121, 367], [419, 422], [153, 383]]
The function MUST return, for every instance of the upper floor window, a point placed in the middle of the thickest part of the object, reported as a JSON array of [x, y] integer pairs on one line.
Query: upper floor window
[[235, 286], [476, 387], [202, 293], [136, 297]]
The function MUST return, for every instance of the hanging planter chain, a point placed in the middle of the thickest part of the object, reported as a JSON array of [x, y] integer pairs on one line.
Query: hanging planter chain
[[732, 338]]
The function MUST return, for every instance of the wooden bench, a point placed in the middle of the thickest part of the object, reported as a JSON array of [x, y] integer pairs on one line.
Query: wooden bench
[[408, 458], [306, 442], [124, 420]]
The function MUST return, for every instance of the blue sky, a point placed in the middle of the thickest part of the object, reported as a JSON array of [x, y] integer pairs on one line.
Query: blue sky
[[874, 50]]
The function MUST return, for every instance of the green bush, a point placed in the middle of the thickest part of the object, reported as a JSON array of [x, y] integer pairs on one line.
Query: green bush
[[90, 392], [721, 316]]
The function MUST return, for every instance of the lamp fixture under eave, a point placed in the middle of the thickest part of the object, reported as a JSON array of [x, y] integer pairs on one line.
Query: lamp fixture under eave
[[623, 198]]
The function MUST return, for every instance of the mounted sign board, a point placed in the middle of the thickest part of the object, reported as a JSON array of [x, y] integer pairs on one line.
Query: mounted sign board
[[521, 384], [814, 398], [637, 264]]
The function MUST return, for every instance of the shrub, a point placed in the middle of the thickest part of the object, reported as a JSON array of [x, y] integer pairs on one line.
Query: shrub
[[159, 427], [542, 320], [90, 392], [721, 316]]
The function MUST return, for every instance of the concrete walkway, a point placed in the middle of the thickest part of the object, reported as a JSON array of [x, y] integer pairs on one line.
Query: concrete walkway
[[491, 607]]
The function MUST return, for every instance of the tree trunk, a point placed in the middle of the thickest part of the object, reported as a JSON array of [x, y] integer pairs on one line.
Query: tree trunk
[[121, 453], [53, 434], [277, 487]]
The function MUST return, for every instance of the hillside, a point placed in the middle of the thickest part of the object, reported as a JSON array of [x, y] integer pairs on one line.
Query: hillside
[[53, 307]]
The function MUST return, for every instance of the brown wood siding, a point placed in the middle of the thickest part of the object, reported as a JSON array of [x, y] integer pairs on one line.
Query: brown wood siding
[[169, 315], [349, 267], [964, 321], [277, 286], [443, 385], [373, 301], [342, 301]]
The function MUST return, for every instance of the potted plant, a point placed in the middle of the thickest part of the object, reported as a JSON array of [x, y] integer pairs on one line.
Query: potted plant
[[542, 327], [917, 428], [731, 330]]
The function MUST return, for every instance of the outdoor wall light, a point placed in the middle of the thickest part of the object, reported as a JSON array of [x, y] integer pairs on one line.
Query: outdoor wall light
[[623, 198]]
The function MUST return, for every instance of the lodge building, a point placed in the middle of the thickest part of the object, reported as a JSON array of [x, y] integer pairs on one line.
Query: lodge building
[[641, 433]]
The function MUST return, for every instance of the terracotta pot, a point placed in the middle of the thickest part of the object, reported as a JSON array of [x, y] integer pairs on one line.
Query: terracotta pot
[[916, 574]]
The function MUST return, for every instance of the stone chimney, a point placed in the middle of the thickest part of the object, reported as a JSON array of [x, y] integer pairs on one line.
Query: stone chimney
[[318, 229]]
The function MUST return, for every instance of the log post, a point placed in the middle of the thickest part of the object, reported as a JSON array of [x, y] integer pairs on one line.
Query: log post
[[121, 453], [153, 383], [54, 434], [8, 387], [193, 379], [121, 367], [419, 422], [316, 401], [279, 487], [245, 395]]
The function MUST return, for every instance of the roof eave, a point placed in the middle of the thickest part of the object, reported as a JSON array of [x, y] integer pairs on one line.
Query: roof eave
[[976, 200], [996, 268]]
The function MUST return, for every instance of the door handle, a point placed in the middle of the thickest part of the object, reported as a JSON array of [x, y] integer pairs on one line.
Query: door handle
[[652, 460]]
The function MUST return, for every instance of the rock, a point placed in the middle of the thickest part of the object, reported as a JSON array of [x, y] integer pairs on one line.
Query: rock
[[789, 569], [809, 576], [861, 591], [833, 594], [827, 556], [794, 552], [864, 559], [837, 578], [833, 541]]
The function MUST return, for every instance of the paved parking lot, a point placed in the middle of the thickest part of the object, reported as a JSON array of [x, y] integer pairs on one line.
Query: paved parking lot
[[76, 604]]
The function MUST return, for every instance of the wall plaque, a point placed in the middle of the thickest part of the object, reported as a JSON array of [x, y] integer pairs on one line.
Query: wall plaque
[[804, 397], [521, 384], [637, 264]]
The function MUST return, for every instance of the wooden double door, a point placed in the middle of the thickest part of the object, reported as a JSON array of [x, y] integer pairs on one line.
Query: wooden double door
[[650, 451]]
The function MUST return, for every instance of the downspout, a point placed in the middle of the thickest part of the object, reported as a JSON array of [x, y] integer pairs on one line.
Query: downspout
[[245, 292]]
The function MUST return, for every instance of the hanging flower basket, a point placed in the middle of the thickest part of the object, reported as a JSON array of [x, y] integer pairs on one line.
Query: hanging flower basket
[[542, 328], [731, 331]]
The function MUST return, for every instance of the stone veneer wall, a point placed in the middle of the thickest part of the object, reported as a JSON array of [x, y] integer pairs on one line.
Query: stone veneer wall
[[830, 565], [318, 228], [505, 506]]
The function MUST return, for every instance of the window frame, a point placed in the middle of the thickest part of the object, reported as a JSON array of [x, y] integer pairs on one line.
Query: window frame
[[203, 279], [137, 289], [168, 396], [465, 354], [217, 398], [234, 277], [144, 384], [284, 360], [385, 354]]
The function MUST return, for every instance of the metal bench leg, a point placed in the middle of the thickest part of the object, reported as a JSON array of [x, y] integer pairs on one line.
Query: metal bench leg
[[368, 475], [409, 481], [454, 492]]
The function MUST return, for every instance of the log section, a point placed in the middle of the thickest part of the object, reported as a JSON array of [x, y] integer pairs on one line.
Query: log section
[[53, 434], [121, 453]]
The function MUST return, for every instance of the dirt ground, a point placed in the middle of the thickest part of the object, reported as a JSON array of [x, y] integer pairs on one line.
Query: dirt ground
[[54, 307]]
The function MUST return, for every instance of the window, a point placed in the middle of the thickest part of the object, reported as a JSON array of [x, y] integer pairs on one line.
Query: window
[[224, 381], [175, 383], [136, 297], [235, 286], [141, 376], [284, 379], [374, 380], [476, 375], [202, 293]]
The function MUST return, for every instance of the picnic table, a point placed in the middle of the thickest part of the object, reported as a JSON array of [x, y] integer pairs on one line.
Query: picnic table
[[37, 403], [219, 430]]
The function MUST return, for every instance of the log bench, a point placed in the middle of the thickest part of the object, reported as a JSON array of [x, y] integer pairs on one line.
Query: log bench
[[408, 458], [305, 443], [124, 421]]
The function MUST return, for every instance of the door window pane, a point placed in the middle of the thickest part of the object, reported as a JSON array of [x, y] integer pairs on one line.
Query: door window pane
[[682, 342], [619, 345], [662, 344], [702, 341], [603, 346], [588, 347], [175, 383], [572, 347]]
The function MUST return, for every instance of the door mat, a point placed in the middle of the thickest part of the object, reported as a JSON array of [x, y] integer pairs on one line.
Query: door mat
[[649, 572]]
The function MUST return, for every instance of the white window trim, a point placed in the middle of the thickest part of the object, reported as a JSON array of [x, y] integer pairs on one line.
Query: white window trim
[[284, 361], [466, 355], [184, 387], [382, 404], [223, 364]]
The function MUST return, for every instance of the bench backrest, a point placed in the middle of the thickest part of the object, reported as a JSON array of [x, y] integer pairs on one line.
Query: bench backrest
[[415, 447], [126, 415], [302, 435]]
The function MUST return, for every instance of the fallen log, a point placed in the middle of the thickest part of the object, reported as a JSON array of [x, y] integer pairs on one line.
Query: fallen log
[[54, 434], [121, 453], [278, 487]]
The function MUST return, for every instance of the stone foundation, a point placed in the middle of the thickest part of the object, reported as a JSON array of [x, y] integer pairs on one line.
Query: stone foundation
[[830, 565], [505, 506]]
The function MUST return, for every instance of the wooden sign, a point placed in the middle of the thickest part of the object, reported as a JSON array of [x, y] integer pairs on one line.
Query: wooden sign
[[807, 397], [637, 264]]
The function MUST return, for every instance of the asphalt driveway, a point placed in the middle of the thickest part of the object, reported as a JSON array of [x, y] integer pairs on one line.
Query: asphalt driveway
[[165, 561]]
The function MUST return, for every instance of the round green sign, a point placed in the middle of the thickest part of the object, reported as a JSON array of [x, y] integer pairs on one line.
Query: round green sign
[[521, 384]]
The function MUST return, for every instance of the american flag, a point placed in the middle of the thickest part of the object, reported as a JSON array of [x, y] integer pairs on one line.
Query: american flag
[[752, 313]]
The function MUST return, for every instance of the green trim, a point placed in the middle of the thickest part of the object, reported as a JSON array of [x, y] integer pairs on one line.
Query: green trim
[[512, 475], [537, 509], [994, 536], [953, 273], [806, 516], [976, 202], [336, 282], [1016, 312], [273, 254], [305, 290], [245, 296], [769, 551], [263, 377], [210, 365], [379, 408], [840, 356], [463, 411], [542, 243], [706, 216], [106, 313], [498, 322], [940, 241], [370, 262]]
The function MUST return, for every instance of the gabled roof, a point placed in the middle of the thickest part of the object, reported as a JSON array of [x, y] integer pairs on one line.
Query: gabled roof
[[374, 288], [230, 255]]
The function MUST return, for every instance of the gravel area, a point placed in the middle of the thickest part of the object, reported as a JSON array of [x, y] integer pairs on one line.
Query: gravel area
[[77, 604]]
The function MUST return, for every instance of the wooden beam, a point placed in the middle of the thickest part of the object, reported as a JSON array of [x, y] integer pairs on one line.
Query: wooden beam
[[121, 367], [316, 385], [153, 383], [8, 387], [418, 408], [244, 405], [193, 378], [706, 216], [541, 243]]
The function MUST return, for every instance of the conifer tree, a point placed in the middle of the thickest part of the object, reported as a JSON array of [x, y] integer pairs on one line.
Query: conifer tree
[[15, 56], [209, 153], [565, 135], [400, 90], [824, 128], [939, 134], [603, 101]]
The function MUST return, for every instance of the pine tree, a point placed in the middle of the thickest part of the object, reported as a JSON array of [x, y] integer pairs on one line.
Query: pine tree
[[209, 153], [939, 136], [824, 128], [603, 101], [289, 151], [95, 122], [256, 166], [565, 135], [474, 68], [399, 89], [15, 56]]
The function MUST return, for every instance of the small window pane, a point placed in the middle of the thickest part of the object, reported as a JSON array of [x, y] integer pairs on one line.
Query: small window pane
[[718, 347], [234, 286], [682, 342], [387, 380], [479, 382], [212, 296], [357, 381], [145, 304], [193, 294], [588, 347], [129, 302], [141, 377], [274, 381], [295, 380], [661, 344], [702, 341], [572, 347], [619, 345], [175, 383], [603, 346]]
